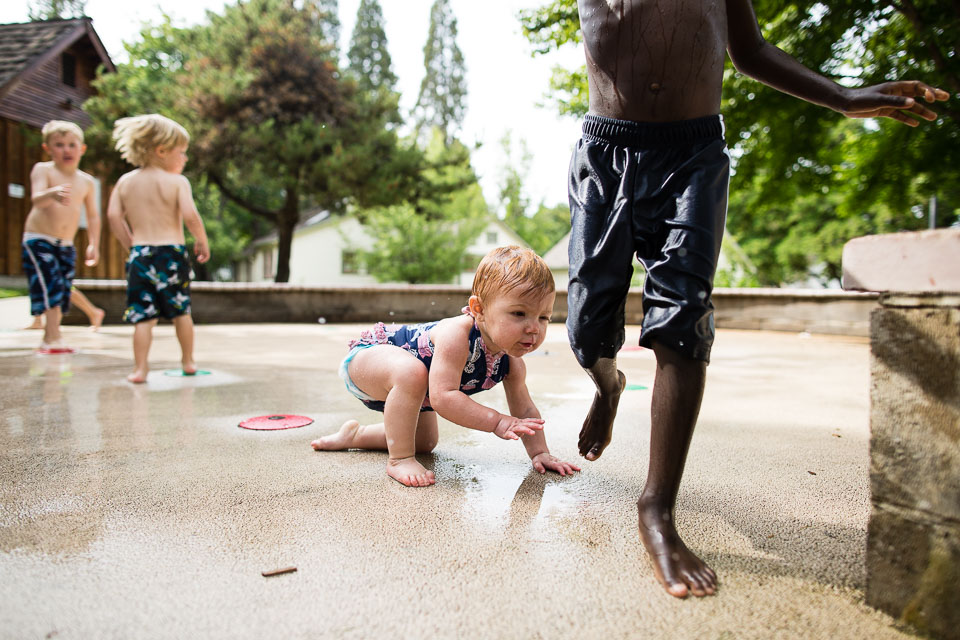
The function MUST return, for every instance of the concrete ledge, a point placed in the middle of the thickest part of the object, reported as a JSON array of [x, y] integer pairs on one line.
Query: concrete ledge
[[796, 310], [910, 261]]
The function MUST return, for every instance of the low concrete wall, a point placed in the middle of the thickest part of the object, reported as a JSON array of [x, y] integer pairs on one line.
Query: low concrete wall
[[830, 311]]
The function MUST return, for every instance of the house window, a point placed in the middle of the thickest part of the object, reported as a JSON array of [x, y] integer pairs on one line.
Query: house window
[[68, 69], [350, 262], [491, 237]]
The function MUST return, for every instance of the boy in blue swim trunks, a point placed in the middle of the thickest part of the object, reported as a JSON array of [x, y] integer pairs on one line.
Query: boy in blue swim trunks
[[412, 373], [58, 189], [147, 211], [649, 176]]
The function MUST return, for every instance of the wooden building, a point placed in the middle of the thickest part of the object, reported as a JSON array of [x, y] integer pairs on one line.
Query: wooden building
[[46, 70]]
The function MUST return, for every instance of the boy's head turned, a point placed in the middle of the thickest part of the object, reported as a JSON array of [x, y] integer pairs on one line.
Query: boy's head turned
[[59, 128], [512, 268], [138, 137]]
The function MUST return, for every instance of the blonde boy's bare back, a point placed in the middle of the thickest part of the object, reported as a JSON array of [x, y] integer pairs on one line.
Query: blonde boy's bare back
[[53, 218], [153, 202]]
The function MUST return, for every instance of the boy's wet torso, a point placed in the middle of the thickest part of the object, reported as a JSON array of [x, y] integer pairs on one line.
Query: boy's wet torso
[[654, 60]]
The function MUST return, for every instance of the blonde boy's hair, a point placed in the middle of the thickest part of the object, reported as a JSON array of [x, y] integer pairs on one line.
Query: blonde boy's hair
[[137, 137], [60, 127], [508, 268]]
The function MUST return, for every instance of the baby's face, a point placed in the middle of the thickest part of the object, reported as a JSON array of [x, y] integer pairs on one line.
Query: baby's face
[[65, 149], [517, 322]]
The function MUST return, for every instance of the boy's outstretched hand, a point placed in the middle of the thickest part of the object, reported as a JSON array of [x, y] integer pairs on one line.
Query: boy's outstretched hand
[[543, 461], [893, 100], [511, 428]]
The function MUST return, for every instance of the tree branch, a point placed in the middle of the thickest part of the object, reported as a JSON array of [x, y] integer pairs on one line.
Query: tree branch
[[910, 12], [233, 197]]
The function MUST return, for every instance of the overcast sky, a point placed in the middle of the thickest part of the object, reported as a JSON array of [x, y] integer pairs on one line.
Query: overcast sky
[[505, 83]]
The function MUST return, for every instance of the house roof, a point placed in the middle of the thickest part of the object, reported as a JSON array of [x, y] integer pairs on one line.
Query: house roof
[[25, 46]]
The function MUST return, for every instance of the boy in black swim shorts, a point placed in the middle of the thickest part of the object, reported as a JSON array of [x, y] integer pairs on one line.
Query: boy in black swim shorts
[[650, 176]]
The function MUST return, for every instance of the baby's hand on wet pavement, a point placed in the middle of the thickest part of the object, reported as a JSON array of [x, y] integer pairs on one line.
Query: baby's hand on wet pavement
[[511, 427], [543, 461]]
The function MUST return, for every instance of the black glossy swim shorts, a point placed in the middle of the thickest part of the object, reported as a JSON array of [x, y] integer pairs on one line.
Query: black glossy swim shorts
[[657, 190]]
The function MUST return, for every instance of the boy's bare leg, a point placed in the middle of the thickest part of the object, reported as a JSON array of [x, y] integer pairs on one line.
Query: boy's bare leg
[[94, 313], [142, 337], [184, 327], [51, 327], [598, 427], [36, 324], [677, 392]]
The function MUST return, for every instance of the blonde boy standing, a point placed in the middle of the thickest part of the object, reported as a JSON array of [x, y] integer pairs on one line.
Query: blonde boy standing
[[58, 189], [147, 211]]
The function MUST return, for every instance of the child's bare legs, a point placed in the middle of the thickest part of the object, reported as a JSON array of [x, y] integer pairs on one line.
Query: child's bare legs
[[390, 373], [94, 313], [598, 427], [142, 337], [675, 405], [51, 327], [184, 327], [36, 324]]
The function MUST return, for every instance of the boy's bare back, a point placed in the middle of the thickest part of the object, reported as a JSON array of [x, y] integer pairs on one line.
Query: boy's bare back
[[58, 217], [154, 202], [654, 61]]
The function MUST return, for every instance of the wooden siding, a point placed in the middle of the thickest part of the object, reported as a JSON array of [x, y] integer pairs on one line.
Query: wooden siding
[[41, 96], [20, 146]]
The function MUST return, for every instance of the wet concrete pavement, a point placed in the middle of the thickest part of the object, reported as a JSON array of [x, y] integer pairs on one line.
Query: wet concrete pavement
[[145, 512]]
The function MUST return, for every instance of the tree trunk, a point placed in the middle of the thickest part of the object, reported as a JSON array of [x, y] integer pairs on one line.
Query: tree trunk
[[287, 219]]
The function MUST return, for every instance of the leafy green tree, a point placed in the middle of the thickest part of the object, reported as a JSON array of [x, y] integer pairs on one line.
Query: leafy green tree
[[796, 199], [443, 90], [56, 9], [540, 229], [424, 238], [369, 56]]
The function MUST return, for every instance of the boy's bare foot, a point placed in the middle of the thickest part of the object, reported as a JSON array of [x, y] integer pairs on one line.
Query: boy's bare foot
[[96, 319], [342, 439], [189, 367], [138, 376], [676, 567], [409, 472], [598, 427], [53, 348], [37, 324]]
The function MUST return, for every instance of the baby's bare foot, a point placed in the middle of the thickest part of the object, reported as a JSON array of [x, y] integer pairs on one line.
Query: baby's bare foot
[[598, 427], [409, 472], [342, 439], [138, 376], [675, 566]]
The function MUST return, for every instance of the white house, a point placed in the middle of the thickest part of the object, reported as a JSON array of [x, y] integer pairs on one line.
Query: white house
[[733, 267], [325, 251]]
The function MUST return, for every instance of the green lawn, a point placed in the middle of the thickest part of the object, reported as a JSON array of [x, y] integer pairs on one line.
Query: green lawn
[[10, 293]]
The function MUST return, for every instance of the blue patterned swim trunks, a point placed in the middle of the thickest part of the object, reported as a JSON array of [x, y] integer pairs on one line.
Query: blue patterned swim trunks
[[158, 282], [49, 264]]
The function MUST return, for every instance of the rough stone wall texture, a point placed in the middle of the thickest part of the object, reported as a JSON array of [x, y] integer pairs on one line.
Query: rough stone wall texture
[[913, 543]]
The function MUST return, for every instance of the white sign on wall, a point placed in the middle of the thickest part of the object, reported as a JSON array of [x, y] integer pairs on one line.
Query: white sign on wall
[[16, 190]]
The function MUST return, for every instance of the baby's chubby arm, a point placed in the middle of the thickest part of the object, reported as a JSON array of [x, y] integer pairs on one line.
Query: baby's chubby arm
[[757, 58], [521, 404], [451, 350], [192, 219]]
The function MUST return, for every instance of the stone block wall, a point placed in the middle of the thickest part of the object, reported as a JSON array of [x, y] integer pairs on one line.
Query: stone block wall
[[913, 543]]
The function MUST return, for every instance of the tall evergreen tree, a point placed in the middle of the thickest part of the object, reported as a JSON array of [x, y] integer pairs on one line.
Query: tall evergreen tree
[[444, 89], [368, 57], [54, 9], [329, 22]]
